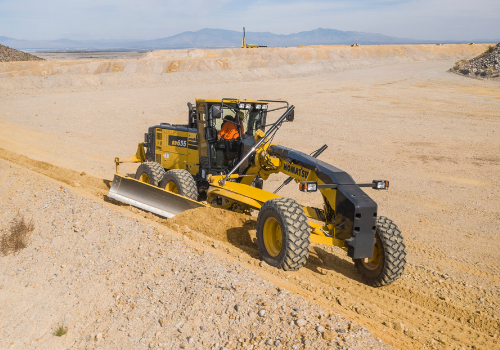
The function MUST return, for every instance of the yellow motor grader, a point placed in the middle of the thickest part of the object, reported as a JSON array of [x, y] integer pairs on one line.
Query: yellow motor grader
[[190, 166], [244, 45]]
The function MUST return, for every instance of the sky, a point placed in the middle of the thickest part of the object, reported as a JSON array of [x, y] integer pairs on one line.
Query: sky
[[152, 19]]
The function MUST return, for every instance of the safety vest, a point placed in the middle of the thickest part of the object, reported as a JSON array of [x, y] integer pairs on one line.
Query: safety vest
[[229, 131]]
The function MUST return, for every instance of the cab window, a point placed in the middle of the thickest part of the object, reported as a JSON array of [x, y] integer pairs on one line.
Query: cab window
[[253, 121]]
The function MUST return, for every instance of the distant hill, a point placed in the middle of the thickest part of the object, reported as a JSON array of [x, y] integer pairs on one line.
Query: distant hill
[[213, 38], [8, 55], [230, 38]]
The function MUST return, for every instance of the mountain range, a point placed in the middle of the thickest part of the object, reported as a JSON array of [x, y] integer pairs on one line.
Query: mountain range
[[212, 38]]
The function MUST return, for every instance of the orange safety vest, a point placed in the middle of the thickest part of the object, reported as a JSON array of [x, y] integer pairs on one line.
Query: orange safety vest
[[229, 131]]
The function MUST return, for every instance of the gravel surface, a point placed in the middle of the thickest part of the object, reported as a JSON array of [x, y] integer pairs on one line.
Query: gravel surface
[[484, 66], [115, 280]]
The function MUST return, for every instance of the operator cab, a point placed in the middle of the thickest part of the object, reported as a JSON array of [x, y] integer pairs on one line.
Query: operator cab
[[226, 130]]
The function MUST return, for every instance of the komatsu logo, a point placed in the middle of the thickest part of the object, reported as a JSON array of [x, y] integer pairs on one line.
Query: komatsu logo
[[296, 170]]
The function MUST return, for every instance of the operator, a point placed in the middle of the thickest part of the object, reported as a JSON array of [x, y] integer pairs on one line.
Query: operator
[[229, 130]]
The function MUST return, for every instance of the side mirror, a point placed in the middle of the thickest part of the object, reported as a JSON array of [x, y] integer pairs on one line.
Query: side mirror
[[215, 111], [291, 116], [210, 134], [192, 115]]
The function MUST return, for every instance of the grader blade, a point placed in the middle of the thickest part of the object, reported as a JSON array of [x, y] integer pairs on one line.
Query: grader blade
[[149, 198]]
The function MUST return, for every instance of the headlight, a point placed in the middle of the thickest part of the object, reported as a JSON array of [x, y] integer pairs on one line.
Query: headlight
[[258, 106], [308, 186], [242, 106], [264, 106], [380, 184], [248, 106]]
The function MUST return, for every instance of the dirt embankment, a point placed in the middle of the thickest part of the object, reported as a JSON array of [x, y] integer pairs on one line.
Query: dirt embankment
[[221, 65], [10, 55], [426, 308]]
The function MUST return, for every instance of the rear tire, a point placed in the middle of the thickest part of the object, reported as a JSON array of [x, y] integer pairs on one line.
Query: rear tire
[[389, 255], [180, 181], [150, 173], [283, 234]]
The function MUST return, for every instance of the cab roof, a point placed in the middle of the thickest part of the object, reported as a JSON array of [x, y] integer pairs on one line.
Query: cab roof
[[229, 101]]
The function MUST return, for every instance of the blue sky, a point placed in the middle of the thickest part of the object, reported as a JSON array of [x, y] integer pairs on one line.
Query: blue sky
[[152, 19]]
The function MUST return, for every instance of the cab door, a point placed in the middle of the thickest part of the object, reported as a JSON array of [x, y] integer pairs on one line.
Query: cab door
[[202, 141], [192, 152]]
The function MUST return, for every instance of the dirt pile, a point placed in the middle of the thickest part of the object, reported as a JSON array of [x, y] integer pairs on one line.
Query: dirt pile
[[9, 55], [484, 66], [222, 225]]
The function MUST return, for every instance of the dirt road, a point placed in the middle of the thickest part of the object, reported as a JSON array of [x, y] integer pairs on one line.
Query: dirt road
[[435, 135]]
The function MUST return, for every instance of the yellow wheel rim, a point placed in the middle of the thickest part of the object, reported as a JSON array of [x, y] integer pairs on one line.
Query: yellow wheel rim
[[171, 187], [145, 178], [272, 236], [373, 262]]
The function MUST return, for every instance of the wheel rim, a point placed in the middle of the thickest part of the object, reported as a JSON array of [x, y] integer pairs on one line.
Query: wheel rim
[[144, 178], [171, 187], [373, 262], [272, 236]]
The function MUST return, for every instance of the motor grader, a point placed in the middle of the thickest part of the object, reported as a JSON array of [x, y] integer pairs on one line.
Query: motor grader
[[189, 166]]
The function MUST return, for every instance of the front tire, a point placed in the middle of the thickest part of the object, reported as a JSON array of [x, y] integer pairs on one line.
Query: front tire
[[181, 182], [389, 255], [150, 173], [283, 234]]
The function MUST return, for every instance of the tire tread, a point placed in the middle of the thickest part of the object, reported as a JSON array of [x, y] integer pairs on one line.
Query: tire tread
[[155, 170], [394, 254], [186, 181], [299, 237]]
